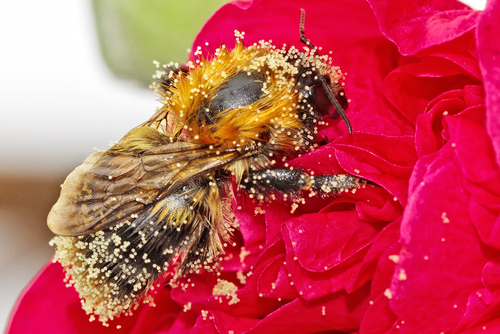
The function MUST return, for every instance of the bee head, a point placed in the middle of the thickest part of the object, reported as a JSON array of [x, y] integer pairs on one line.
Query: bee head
[[315, 93], [332, 90]]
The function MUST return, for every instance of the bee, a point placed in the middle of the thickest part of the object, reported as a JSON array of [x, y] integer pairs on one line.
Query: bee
[[162, 196]]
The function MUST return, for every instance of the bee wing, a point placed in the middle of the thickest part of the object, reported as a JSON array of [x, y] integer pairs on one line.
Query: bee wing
[[112, 186]]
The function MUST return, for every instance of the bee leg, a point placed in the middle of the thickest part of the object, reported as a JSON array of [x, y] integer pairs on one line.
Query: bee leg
[[336, 183], [291, 181]]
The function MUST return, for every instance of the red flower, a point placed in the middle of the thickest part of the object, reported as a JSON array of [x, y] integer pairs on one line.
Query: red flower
[[419, 253]]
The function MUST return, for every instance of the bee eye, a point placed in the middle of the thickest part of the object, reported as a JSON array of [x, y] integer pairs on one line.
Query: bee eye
[[239, 91], [320, 100], [314, 93]]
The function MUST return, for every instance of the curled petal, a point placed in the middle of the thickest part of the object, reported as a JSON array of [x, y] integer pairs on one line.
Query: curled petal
[[414, 27], [488, 45]]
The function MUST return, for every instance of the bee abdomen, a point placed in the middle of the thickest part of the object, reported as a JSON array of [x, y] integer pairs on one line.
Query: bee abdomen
[[114, 269]]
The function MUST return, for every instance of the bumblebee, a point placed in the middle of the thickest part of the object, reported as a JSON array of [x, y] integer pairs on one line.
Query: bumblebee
[[162, 196]]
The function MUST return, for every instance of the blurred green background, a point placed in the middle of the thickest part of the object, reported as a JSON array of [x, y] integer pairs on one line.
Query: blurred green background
[[133, 33]]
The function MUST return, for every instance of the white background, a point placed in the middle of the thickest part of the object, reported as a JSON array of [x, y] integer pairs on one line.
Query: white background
[[57, 102]]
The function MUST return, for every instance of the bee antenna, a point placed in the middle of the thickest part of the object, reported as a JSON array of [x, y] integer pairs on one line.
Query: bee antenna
[[335, 103], [327, 88], [303, 37]]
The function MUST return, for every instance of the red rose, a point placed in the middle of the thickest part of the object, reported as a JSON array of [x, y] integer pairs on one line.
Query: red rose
[[418, 253]]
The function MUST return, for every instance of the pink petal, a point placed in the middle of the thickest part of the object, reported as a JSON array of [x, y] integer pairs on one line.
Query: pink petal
[[430, 135], [217, 322], [367, 64], [385, 239], [338, 312], [474, 95], [327, 24], [250, 303], [48, 306], [413, 26], [411, 87], [226, 323], [476, 159], [436, 229], [488, 45], [328, 232], [205, 324], [313, 285], [275, 216], [385, 270], [492, 326], [275, 282], [387, 161], [475, 309], [377, 205], [428, 127], [379, 317], [183, 323]]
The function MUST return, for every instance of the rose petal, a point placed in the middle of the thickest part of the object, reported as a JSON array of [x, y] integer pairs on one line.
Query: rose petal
[[218, 322], [339, 312], [385, 239], [414, 27], [183, 323], [313, 285], [225, 323], [387, 161], [367, 64], [412, 87], [48, 306], [328, 232], [476, 158], [205, 324], [474, 95], [429, 125], [275, 282], [376, 205], [475, 308], [275, 216], [379, 317], [488, 45], [384, 272], [489, 327], [435, 230], [487, 223], [249, 303], [274, 20]]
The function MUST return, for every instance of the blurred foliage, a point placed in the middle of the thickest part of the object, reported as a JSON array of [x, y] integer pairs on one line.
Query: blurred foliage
[[133, 33]]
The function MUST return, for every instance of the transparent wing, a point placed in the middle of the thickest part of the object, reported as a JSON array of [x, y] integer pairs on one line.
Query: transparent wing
[[114, 185]]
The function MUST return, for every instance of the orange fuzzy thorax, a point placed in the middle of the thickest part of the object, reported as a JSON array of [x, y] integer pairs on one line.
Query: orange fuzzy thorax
[[275, 113]]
